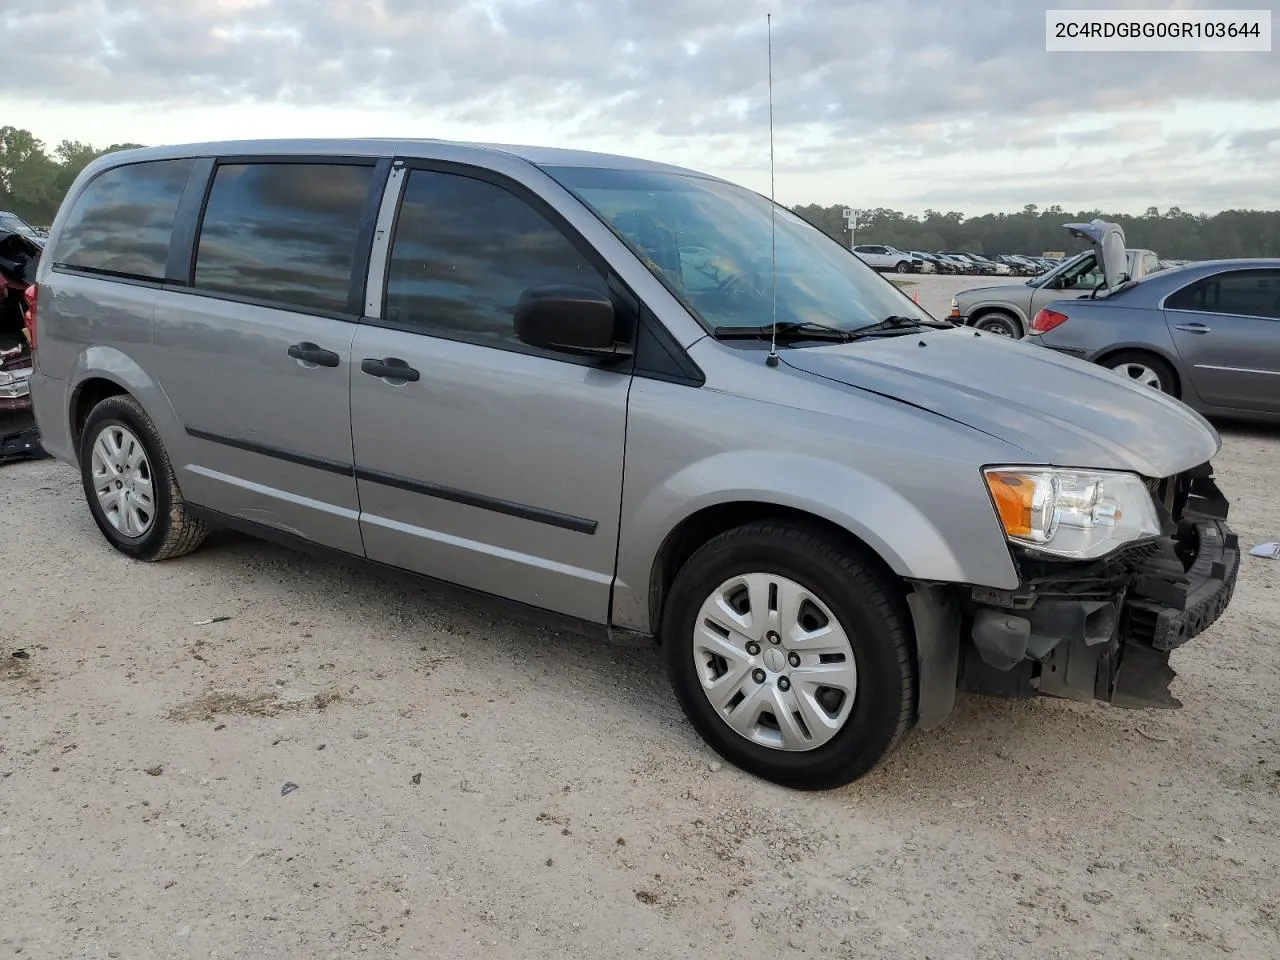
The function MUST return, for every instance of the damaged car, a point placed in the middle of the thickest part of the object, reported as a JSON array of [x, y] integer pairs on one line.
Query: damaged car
[[20, 248], [1007, 309], [640, 401]]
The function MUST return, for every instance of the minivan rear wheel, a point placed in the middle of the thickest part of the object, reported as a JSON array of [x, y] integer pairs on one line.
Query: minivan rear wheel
[[130, 484], [789, 655]]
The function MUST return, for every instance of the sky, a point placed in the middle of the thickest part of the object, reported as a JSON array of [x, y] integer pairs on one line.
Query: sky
[[907, 104]]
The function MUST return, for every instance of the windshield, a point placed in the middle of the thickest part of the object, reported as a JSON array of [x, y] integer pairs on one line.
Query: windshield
[[12, 224], [1059, 269], [709, 242]]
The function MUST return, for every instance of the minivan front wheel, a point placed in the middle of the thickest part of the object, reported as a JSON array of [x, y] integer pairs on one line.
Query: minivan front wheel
[[789, 655], [130, 484], [903, 267]]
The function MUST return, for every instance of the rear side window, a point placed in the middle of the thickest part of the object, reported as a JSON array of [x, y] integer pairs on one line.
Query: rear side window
[[463, 253], [1248, 293], [284, 233], [123, 221]]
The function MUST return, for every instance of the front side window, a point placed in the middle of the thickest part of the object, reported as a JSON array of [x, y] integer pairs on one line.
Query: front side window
[[1247, 293], [284, 233], [122, 222], [465, 250], [731, 281]]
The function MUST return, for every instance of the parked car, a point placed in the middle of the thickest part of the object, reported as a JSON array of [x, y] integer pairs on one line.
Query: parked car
[[1020, 266], [1207, 333], [940, 264], [11, 223], [972, 265], [499, 368], [998, 267], [882, 257], [921, 263], [19, 254], [1007, 309]]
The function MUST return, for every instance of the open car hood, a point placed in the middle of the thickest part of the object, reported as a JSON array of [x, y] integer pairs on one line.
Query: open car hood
[[1108, 244], [1059, 410]]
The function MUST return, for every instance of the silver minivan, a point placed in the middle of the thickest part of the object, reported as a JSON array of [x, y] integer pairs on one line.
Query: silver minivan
[[639, 400]]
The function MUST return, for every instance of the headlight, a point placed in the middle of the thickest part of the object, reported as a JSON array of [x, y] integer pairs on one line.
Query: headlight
[[1078, 514]]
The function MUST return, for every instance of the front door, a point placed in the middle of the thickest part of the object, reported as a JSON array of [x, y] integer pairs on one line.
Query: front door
[[479, 460], [1227, 331], [254, 355]]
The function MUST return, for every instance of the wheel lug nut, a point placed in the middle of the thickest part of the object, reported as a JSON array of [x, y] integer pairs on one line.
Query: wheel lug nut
[[757, 675], [793, 659], [753, 649], [773, 638], [784, 683]]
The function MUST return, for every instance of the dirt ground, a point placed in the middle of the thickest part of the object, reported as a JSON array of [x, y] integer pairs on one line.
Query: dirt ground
[[346, 766]]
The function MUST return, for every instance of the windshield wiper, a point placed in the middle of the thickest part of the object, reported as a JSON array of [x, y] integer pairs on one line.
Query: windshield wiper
[[787, 330], [894, 323]]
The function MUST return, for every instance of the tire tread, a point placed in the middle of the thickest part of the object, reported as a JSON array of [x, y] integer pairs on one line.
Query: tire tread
[[184, 532]]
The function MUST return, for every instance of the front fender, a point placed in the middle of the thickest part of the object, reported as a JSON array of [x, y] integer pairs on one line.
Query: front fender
[[1004, 306], [901, 534]]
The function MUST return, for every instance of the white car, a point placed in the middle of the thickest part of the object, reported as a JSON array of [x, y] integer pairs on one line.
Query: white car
[[882, 257]]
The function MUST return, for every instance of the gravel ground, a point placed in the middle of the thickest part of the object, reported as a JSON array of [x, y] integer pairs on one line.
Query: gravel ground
[[935, 292], [344, 765]]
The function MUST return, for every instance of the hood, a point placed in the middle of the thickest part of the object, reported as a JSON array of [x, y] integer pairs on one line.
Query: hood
[[1059, 410], [1107, 240], [1008, 292]]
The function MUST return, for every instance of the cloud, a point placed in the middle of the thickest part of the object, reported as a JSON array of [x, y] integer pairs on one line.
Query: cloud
[[907, 79]]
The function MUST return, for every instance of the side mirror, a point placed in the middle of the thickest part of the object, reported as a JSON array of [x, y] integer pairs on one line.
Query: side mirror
[[570, 319]]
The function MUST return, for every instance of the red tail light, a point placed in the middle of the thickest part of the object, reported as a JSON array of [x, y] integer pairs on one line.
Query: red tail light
[[1046, 320], [31, 295]]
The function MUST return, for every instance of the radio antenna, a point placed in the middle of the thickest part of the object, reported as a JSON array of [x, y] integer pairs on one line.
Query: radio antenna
[[772, 359]]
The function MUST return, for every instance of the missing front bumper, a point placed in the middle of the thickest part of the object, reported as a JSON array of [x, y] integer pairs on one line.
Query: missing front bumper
[[1107, 635]]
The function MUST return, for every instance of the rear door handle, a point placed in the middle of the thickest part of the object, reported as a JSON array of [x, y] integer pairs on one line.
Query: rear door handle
[[307, 352], [388, 368], [1192, 327]]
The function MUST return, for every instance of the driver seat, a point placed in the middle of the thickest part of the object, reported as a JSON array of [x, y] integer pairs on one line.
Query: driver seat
[[655, 243]]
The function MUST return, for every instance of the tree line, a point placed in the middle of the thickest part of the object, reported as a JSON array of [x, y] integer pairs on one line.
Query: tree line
[[1173, 233], [34, 179]]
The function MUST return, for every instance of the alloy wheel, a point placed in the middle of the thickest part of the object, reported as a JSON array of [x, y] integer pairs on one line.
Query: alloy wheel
[[1140, 373]]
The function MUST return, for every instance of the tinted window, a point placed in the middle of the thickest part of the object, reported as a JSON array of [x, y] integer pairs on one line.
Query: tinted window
[[123, 220], [283, 232], [1250, 293], [465, 250]]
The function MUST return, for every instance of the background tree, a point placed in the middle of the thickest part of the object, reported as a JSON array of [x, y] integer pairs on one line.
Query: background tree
[[33, 182]]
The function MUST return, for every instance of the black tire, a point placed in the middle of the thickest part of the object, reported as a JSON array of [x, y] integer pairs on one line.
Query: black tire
[[1000, 323], [1168, 380], [864, 604], [173, 530], [903, 267]]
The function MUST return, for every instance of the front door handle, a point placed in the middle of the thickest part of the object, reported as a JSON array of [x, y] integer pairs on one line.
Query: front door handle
[[1192, 327], [388, 368], [307, 352]]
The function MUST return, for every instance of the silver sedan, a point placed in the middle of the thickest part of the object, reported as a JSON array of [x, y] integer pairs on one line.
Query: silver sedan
[[1207, 333]]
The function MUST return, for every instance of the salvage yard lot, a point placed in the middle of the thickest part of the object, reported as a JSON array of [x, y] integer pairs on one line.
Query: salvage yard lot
[[347, 765]]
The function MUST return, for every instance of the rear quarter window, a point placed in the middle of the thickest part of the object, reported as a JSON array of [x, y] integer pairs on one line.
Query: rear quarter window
[[123, 220]]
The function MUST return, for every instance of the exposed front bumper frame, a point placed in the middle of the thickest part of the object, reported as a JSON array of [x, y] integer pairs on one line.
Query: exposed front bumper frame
[[1101, 631]]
